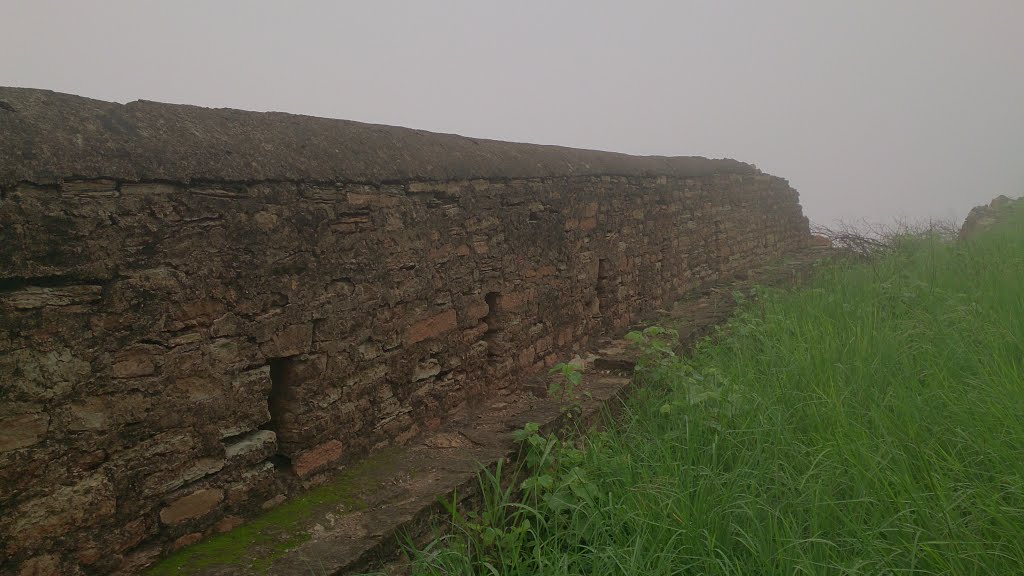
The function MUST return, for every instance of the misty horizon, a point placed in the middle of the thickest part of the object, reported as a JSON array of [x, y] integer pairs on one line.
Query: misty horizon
[[873, 111]]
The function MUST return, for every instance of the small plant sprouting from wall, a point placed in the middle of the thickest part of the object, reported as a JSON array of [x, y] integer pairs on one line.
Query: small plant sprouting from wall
[[654, 343], [568, 377]]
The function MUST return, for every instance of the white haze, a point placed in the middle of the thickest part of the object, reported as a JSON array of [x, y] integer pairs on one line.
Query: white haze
[[873, 109]]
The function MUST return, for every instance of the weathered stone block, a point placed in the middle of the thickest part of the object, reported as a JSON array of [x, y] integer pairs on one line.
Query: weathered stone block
[[425, 370], [101, 187], [191, 507], [228, 523], [167, 481], [22, 430], [291, 341], [514, 301], [431, 327], [39, 297], [474, 311], [252, 447], [88, 503], [227, 325], [250, 391], [187, 540], [101, 413], [317, 458], [133, 366], [46, 565], [42, 375], [255, 482]]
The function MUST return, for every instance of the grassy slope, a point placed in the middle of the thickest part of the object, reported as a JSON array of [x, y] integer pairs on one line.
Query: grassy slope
[[873, 424]]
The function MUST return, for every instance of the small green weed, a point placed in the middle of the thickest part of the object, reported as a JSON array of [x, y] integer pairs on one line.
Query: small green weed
[[567, 377]]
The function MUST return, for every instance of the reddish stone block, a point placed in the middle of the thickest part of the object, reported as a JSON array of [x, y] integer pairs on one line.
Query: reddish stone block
[[186, 540], [514, 300], [525, 357], [475, 311], [431, 327], [317, 458]]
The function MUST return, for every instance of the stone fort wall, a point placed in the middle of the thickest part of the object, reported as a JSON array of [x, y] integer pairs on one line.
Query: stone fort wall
[[202, 310]]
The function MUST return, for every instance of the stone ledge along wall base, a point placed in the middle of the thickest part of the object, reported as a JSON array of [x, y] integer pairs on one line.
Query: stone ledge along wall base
[[176, 353]]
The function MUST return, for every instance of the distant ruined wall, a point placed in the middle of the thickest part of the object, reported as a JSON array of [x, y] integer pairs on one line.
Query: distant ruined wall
[[183, 339], [981, 218]]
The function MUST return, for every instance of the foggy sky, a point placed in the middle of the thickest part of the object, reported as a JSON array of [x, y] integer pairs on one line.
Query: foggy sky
[[872, 109]]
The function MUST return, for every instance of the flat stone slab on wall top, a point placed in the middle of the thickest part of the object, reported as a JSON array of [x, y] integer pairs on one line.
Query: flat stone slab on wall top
[[48, 136]]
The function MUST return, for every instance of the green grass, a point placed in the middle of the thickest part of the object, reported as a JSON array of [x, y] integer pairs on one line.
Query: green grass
[[872, 423]]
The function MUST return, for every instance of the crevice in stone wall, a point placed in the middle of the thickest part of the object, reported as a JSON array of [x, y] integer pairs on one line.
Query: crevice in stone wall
[[603, 289], [282, 380], [491, 319], [280, 461]]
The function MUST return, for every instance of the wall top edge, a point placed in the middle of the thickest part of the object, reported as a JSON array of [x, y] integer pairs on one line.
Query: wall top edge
[[50, 136]]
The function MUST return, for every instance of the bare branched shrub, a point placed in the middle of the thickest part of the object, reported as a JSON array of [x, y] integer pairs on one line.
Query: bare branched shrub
[[865, 239]]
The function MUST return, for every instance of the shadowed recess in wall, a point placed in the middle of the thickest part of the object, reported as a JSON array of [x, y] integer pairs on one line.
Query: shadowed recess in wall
[[282, 381]]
